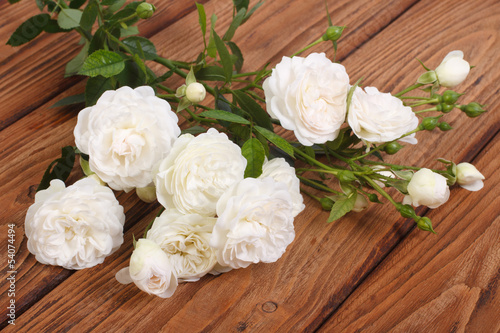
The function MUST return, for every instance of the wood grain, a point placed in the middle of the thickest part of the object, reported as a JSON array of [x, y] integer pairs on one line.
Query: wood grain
[[326, 262]]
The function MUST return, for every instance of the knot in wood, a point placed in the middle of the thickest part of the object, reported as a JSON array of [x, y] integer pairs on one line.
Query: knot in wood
[[269, 307]]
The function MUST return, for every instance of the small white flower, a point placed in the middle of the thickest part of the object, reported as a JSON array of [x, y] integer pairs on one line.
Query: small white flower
[[279, 170], [76, 226], [195, 92], [150, 270], [184, 238], [254, 224], [427, 188], [198, 171], [308, 96], [453, 69], [469, 177], [125, 134], [360, 204], [380, 117]]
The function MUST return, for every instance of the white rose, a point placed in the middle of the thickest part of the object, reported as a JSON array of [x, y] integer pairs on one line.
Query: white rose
[[469, 177], [198, 171], [76, 226], [255, 223], [308, 96], [360, 204], [427, 188], [380, 117], [279, 170], [453, 69], [195, 92], [125, 134], [184, 238], [149, 269]]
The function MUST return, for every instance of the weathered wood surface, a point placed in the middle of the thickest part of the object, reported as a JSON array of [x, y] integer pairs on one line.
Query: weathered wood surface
[[370, 271]]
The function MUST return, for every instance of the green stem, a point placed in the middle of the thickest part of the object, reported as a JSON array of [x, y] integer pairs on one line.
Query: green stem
[[308, 46], [310, 195], [429, 101], [311, 160], [314, 184], [410, 88], [413, 97], [426, 110], [165, 88], [380, 190]]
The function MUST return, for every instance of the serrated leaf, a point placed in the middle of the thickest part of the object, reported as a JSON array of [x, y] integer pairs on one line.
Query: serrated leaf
[[73, 99], [194, 130], [142, 47], [224, 115], [238, 18], [211, 73], [75, 64], [258, 114], [277, 140], [76, 3], [104, 63], [342, 206], [255, 155], [225, 57], [239, 4], [69, 18], [29, 29], [59, 168], [251, 11], [238, 64], [129, 31], [115, 5], [133, 75], [95, 87], [53, 27], [212, 48], [202, 18]]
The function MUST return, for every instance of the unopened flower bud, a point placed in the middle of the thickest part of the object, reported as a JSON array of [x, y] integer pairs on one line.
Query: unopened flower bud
[[469, 177], [326, 203], [445, 108], [473, 109], [346, 176], [424, 223], [406, 211], [444, 126], [333, 33], [373, 197], [427, 78], [392, 148], [146, 194], [429, 123], [195, 92], [145, 10], [453, 69], [360, 204], [450, 97]]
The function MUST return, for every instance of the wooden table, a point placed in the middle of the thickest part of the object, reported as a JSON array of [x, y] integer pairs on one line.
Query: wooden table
[[372, 271]]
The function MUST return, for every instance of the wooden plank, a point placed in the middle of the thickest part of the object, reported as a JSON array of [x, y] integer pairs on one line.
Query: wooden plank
[[320, 251], [40, 64], [444, 283]]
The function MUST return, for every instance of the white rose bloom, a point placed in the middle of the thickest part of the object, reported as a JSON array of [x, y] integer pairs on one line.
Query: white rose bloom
[[150, 270], [198, 171], [453, 69], [360, 204], [184, 238], [195, 92], [380, 117], [255, 223], [308, 96], [469, 177], [427, 188], [76, 226], [125, 134], [279, 170]]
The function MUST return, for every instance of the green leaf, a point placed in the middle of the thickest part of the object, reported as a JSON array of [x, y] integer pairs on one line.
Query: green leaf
[[234, 24], [225, 57], [194, 130], [59, 168], [108, 2], [251, 11], [255, 155], [114, 5], [212, 48], [224, 115], [342, 206], [133, 75], [102, 62], [53, 27], [202, 18], [69, 18], [95, 87], [258, 114], [73, 99], [75, 64], [211, 73], [28, 30], [142, 47], [276, 140], [130, 31], [76, 3], [238, 64], [239, 4], [403, 174]]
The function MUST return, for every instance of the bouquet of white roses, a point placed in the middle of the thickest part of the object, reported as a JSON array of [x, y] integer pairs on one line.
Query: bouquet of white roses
[[227, 182]]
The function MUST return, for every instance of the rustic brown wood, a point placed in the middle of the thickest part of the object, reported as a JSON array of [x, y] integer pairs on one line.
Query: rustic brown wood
[[326, 262]]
